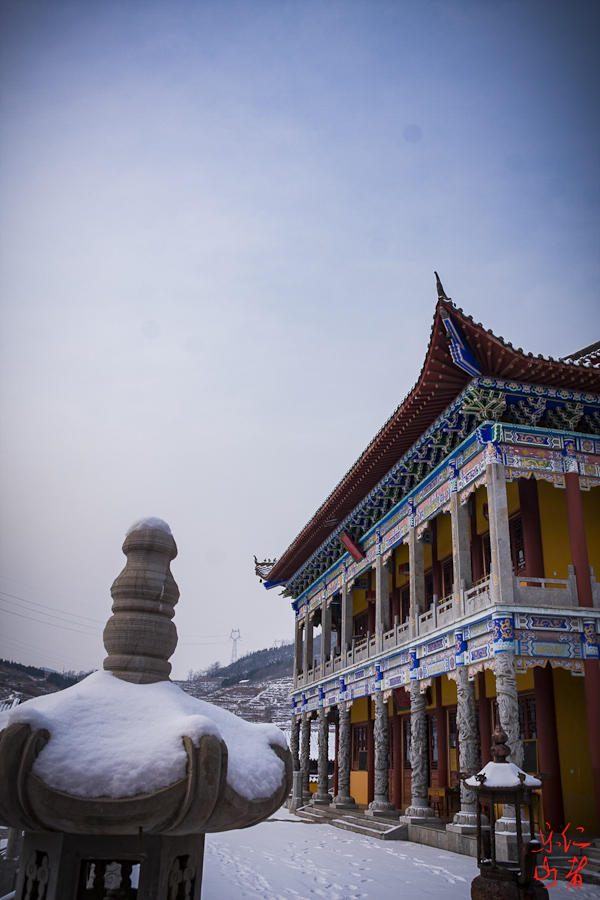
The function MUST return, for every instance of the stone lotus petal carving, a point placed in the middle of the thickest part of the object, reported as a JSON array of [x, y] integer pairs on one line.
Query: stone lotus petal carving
[[200, 802]]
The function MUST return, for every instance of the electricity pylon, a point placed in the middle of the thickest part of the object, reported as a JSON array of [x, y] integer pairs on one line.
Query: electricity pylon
[[234, 636]]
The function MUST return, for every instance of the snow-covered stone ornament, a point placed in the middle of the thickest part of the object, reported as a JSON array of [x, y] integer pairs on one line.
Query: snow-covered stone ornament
[[126, 766]]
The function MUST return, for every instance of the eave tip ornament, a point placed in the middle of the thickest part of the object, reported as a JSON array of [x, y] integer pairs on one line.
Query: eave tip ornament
[[440, 288], [263, 569]]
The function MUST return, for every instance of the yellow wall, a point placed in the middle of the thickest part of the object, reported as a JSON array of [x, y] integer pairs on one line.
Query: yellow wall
[[574, 751], [555, 533], [525, 680], [490, 684], [480, 499], [359, 787], [427, 556], [444, 536], [359, 602], [512, 497], [358, 710], [591, 514], [449, 695]]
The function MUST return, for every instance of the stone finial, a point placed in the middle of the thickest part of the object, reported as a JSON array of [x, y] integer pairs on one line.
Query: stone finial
[[499, 749], [140, 636]]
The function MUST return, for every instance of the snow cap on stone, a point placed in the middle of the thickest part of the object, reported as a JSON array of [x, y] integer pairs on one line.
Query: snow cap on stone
[[152, 523]]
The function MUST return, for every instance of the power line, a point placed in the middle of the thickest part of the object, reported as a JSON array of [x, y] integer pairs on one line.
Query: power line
[[55, 608], [41, 622]]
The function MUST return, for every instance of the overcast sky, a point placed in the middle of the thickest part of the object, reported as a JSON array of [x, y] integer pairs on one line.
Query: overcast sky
[[220, 222]]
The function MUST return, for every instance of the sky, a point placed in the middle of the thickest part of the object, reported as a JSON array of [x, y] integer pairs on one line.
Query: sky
[[219, 223]]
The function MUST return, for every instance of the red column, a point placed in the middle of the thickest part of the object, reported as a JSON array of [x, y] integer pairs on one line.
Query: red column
[[370, 754], [397, 772], [532, 530], [442, 735], [547, 743], [485, 721], [579, 557]]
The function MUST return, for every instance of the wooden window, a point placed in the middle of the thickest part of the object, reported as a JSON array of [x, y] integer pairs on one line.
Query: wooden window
[[447, 576], [404, 604], [433, 741], [361, 624], [487, 553], [517, 547], [359, 747], [453, 742], [428, 588], [528, 732]]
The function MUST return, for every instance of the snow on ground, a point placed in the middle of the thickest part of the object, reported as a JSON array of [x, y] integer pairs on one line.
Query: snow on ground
[[286, 858], [112, 738]]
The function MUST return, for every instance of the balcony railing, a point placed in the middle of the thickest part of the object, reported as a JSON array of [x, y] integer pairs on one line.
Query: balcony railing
[[528, 592]]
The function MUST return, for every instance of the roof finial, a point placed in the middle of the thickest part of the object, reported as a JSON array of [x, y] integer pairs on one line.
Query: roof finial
[[440, 288]]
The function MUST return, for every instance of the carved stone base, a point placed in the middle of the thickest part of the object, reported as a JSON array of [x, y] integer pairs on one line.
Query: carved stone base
[[321, 799], [343, 802], [418, 815], [506, 839], [382, 809], [464, 822], [59, 866]]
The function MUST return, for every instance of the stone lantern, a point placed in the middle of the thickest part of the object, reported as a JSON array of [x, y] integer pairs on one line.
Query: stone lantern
[[116, 780], [503, 782]]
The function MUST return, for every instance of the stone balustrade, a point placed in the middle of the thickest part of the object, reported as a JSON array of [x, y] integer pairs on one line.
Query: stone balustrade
[[554, 593]]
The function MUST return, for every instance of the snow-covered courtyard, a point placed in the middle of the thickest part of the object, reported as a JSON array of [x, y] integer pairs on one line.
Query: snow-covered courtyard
[[286, 858]]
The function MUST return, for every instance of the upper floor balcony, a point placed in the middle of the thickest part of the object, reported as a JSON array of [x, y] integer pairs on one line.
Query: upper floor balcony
[[448, 613]]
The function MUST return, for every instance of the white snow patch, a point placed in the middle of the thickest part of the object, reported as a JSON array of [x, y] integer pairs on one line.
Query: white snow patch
[[503, 775], [110, 738], [151, 523]]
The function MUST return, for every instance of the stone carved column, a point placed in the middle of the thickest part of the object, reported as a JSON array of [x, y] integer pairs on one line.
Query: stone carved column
[[416, 577], [461, 547], [325, 635], [297, 776], [346, 626], [323, 797], [508, 704], [343, 798], [295, 742], [382, 599], [298, 649], [307, 654], [502, 586], [419, 758], [465, 821], [508, 711], [305, 756], [381, 801], [140, 637]]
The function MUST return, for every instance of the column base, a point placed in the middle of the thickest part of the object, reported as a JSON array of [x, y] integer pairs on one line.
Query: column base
[[418, 815], [321, 799], [506, 839], [382, 809], [465, 822], [341, 802]]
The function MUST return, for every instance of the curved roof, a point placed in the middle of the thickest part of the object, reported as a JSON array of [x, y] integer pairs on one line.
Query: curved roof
[[439, 383]]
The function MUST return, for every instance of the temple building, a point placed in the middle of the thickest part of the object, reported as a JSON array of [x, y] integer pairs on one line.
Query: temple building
[[451, 576]]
